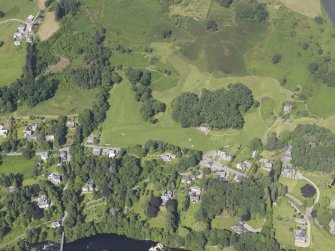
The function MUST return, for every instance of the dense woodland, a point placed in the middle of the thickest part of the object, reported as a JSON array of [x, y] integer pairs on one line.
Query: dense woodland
[[313, 148], [218, 109]]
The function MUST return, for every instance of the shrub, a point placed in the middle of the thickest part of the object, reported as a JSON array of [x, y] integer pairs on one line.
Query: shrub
[[166, 33], [2, 14], [276, 58], [313, 67], [211, 25], [225, 3]]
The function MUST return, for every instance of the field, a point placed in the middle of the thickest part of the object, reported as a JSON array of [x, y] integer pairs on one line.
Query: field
[[48, 27], [191, 8], [310, 8], [124, 126], [18, 165]]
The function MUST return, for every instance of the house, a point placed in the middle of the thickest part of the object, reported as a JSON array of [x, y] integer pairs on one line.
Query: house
[[55, 178], [167, 195], [70, 124], [90, 139], [206, 162], [288, 108], [29, 39], [332, 227], [43, 202], [110, 152], [55, 224], [30, 18], [288, 172], [28, 132], [187, 178], [43, 155], [88, 187], [239, 228], [195, 194], [222, 175], [238, 179], [204, 129], [225, 156], [253, 154], [11, 189], [167, 157], [50, 138], [300, 236], [267, 164], [22, 27], [287, 156], [3, 133], [64, 156], [16, 42], [243, 165], [300, 220], [96, 151]]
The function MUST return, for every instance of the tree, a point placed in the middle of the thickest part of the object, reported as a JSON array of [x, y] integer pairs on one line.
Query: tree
[[153, 206], [225, 3], [28, 150], [212, 25], [313, 67], [2, 14], [166, 33], [256, 144], [276, 58], [308, 191]]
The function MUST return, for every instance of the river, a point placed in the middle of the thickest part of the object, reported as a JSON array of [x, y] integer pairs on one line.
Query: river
[[329, 5], [110, 242]]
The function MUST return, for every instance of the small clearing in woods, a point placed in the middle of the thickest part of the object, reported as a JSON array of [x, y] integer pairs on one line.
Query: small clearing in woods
[[60, 66], [48, 27]]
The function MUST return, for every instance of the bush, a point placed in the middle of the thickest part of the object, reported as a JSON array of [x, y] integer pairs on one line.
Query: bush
[[1, 43], [313, 68], [211, 25], [166, 33], [308, 191], [318, 20], [225, 3], [276, 58], [2, 14]]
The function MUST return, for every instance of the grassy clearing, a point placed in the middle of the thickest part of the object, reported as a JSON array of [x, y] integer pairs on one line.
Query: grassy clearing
[[124, 126], [191, 8], [18, 165], [188, 219], [310, 8], [224, 222], [69, 99], [267, 107], [48, 27]]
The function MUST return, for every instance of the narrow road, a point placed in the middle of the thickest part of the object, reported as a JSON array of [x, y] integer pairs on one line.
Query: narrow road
[[294, 199], [13, 19]]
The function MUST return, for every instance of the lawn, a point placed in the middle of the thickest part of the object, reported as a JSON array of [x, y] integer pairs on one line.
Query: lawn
[[267, 107], [284, 223], [310, 8], [18, 164], [294, 187], [188, 218], [48, 27], [224, 222], [12, 57]]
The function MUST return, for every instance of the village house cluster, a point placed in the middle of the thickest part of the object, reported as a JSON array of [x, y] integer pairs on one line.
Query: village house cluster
[[25, 31], [167, 157]]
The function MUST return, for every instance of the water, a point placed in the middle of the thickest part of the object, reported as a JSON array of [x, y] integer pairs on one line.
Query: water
[[329, 5], [110, 242]]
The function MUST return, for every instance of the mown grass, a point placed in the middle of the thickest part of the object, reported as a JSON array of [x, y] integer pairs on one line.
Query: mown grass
[[310, 8], [284, 223], [18, 164], [267, 107]]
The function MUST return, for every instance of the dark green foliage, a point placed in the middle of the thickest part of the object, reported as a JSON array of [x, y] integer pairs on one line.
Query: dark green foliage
[[47, 3], [313, 148], [256, 242], [236, 198], [153, 207], [166, 33], [252, 12], [211, 25], [273, 143], [141, 86], [65, 7], [225, 3], [29, 69], [276, 58], [256, 144], [313, 67], [318, 20], [2, 14], [1, 43], [218, 109], [28, 150], [308, 191]]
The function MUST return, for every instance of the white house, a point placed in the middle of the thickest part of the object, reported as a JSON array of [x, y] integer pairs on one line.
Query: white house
[[167, 195], [43, 202], [168, 157], [195, 194], [267, 164], [55, 224], [55, 178], [225, 156], [88, 187]]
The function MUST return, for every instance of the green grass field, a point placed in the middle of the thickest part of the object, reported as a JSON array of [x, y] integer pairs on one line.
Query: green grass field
[[18, 165], [12, 57], [124, 125]]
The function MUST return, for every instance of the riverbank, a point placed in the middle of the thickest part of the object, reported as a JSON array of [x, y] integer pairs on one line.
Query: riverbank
[[329, 6]]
